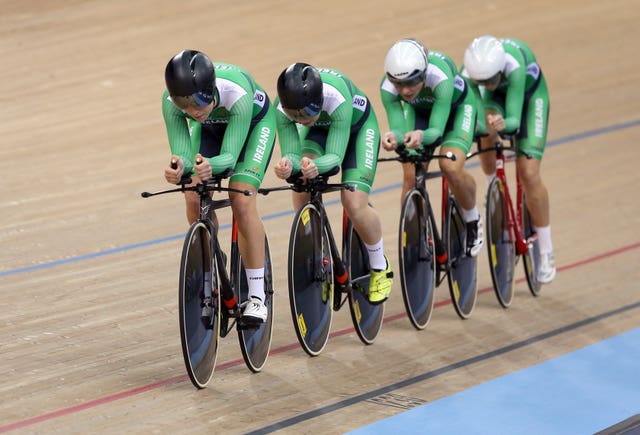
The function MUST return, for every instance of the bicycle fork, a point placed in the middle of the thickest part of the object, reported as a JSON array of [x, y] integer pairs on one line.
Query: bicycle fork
[[432, 244]]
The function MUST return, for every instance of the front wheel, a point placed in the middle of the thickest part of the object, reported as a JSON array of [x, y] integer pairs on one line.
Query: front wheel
[[199, 339], [463, 269], [255, 341], [310, 280], [417, 259], [367, 318], [500, 243]]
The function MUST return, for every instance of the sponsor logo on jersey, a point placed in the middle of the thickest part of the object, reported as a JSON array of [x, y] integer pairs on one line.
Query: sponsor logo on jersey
[[533, 69], [359, 102], [259, 98]]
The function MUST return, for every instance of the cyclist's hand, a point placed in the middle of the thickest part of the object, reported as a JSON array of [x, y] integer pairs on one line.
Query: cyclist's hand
[[283, 168], [202, 167], [496, 121], [309, 169], [413, 139], [173, 176], [389, 141]]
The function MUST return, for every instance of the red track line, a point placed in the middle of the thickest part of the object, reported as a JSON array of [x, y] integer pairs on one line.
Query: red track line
[[282, 349]]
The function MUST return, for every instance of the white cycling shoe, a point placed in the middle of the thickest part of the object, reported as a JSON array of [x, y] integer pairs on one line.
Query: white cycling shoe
[[255, 311], [546, 268]]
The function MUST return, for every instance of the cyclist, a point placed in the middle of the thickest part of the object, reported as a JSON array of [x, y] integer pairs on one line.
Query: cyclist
[[427, 104], [515, 100], [325, 121], [219, 119]]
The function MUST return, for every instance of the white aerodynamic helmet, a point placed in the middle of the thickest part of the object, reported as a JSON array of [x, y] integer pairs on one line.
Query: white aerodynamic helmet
[[406, 61], [484, 58]]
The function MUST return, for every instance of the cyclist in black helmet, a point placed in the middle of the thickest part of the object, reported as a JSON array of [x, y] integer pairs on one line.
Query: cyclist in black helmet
[[324, 121], [218, 119]]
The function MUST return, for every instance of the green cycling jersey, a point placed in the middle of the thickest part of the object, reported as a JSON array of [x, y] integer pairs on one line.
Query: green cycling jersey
[[242, 114], [345, 135]]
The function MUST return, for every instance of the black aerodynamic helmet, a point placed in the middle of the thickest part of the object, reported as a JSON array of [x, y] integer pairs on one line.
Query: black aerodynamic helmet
[[190, 78], [300, 87]]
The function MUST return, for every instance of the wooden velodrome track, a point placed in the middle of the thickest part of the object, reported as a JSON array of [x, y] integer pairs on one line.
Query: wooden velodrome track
[[89, 336]]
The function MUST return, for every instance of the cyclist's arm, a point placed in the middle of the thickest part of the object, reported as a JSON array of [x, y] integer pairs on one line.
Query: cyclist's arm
[[178, 133], [289, 140], [235, 135], [443, 94], [481, 123], [392, 103], [514, 100], [337, 138]]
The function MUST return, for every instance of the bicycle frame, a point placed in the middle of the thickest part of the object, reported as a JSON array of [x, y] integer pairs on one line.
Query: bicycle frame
[[315, 188], [514, 218], [206, 216], [418, 160]]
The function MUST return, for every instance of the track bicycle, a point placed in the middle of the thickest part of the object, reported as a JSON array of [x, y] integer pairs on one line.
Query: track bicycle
[[226, 292], [320, 277], [426, 258], [510, 231]]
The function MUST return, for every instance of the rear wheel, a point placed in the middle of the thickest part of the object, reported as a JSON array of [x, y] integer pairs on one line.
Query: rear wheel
[[417, 259], [533, 251], [500, 243], [463, 269], [310, 280], [367, 318], [199, 339], [255, 340]]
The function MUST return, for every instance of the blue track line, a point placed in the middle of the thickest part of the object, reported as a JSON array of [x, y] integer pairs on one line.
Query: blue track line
[[561, 141]]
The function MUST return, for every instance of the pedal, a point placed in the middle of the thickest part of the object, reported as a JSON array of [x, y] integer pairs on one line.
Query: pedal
[[246, 324]]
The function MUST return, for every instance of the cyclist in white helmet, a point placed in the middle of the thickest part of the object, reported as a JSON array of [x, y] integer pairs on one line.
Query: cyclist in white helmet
[[515, 100], [429, 104]]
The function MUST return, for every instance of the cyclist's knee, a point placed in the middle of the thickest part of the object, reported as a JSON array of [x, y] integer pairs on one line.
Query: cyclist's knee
[[243, 205], [452, 168], [192, 200], [354, 202], [529, 172]]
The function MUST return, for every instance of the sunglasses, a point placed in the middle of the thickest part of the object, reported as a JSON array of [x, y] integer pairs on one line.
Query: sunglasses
[[304, 113], [198, 99], [406, 82]]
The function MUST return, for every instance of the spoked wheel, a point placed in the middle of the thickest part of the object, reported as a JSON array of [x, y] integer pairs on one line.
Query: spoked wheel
[[367, 318], [198, 336], [310, 280], [417, 259], [255, 340], [533, 252], [500, 244], [463, 269]]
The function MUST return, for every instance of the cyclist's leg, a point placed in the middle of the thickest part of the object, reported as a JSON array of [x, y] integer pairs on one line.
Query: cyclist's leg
[[488, 160], [359, 168], [458, 139], [408, 179], [248, 174], [532, 140]]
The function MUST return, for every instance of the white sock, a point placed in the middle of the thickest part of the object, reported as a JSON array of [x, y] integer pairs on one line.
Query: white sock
[[490, 178], [255, 279], [544, 239], [376, 256], [470, 215]]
